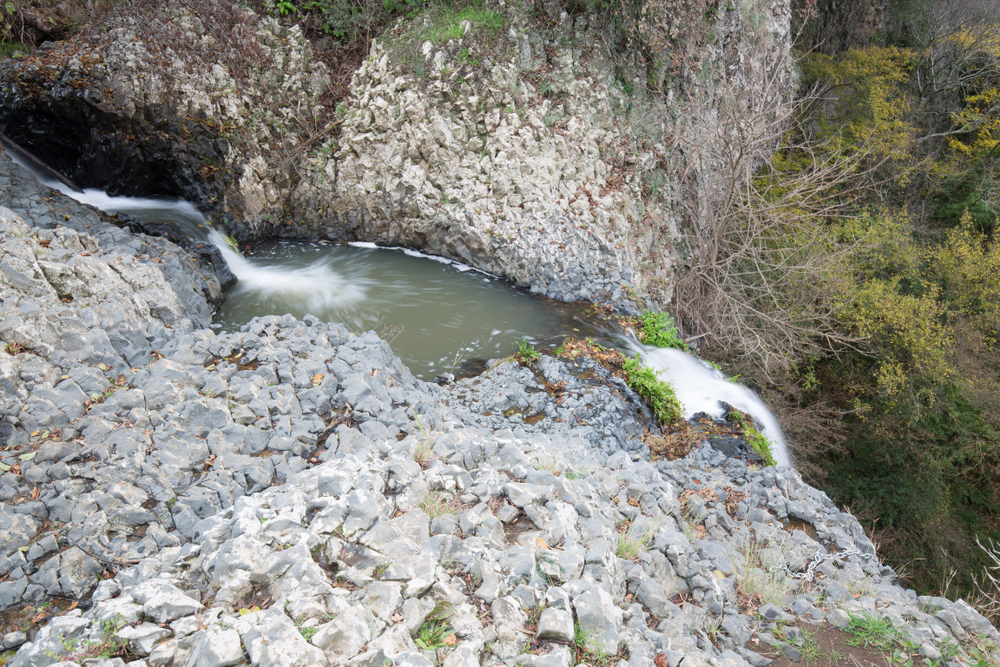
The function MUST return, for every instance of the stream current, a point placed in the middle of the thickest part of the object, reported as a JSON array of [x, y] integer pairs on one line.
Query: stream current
[[440, 316]]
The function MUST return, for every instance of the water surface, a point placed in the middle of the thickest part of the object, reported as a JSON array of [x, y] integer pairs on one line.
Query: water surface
[[437, 314]]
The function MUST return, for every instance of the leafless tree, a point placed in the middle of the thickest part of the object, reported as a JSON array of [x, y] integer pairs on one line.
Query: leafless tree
[[769, 267]]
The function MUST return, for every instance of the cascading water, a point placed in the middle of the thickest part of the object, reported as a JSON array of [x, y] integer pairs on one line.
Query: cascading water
[[486, 320], [178, 212], [701, 388]]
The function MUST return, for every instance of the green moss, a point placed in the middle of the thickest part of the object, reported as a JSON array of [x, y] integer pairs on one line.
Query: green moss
[[760, 444], [8, 49]]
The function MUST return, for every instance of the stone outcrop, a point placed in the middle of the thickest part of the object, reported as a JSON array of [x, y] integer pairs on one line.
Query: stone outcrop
[[534, 151]]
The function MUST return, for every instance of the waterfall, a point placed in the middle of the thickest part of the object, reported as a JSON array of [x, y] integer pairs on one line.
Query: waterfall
[[319, 288], [701, 388]]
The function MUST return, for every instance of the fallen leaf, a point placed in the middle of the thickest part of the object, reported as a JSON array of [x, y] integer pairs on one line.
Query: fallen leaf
[[317, 379], [397, 617], [34, 433], [34, 493], [660, 660], [542, 544], [38, 618], [72, 606], [450, 640], [28, 456]]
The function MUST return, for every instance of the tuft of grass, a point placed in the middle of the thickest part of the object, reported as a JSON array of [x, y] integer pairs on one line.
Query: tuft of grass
[[423, 453], [659, 330], [756, 580], [549, 463], [659, 393], [872, 631], [633, 542], [436, 504]]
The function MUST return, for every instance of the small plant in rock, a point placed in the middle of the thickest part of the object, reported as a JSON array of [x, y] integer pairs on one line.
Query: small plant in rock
[[548, 463], [526, 353], [434, 635], [757, 440], [757, 579], [423, 453], [760, 444], [437, 504], [659, 393], [108, 646], [872, 631], [659, 330], [811, 650], [633, 542], [594, 656], [379, 570]]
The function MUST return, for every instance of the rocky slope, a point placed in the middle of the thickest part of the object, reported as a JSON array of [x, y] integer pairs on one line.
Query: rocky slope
[[291, 495]]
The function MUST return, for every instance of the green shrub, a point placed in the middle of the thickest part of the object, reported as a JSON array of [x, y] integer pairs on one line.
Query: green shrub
[[659, 330], [659, 393]]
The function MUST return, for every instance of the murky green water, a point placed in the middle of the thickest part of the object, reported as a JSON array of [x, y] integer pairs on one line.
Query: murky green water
[[438, 315]]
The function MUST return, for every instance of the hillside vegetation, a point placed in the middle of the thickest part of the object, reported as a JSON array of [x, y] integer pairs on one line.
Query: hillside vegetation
[[856, 278]]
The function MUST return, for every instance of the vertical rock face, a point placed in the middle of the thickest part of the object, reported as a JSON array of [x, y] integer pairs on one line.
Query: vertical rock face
[[539, 150], [551, 161]]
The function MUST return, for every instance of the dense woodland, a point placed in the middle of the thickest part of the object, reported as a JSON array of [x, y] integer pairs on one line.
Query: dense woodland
[[854, 276]]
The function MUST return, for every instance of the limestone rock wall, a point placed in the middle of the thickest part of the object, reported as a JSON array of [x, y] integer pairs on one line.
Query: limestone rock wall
[[547, 151], [552, 164]]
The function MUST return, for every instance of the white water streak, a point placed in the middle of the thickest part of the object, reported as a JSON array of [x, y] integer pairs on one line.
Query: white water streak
[[318, 286], [701, 388]]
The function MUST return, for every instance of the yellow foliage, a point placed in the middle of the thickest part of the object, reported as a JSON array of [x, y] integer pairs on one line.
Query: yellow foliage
[[984, 40], [912, 293], [872, 101], [967, 265]]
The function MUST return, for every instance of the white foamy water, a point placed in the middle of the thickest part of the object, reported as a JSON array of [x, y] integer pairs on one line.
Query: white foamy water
[[701, 388], [316, 288], [182, 213], [416, 253]]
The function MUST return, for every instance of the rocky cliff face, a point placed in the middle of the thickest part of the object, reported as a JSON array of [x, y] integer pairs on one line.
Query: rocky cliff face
[[538, 149]]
